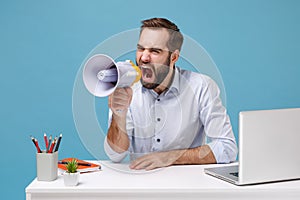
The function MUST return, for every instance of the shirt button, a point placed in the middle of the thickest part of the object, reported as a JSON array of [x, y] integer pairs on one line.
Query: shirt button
[[158, 119], [157, 140]]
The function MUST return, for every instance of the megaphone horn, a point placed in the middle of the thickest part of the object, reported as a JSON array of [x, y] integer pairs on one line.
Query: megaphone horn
[[101, 75]]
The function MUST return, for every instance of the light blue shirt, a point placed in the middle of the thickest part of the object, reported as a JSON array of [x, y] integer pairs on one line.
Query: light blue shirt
[[187, 115]]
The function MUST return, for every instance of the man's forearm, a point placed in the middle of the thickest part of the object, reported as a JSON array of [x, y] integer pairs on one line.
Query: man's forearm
[[198, 155], [117, 137]]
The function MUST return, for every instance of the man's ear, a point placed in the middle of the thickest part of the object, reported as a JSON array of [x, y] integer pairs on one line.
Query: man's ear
[[175, 56]]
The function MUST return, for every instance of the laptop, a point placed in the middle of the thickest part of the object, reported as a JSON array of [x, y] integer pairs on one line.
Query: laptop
[[269, 147]]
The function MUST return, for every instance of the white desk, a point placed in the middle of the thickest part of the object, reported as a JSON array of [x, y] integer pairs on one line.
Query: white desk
[[117, 181]]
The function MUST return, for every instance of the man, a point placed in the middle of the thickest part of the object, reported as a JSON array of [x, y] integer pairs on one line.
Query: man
[[172, 116]]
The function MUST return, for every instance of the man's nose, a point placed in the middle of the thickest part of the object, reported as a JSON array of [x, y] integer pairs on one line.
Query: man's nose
[[146, 56]]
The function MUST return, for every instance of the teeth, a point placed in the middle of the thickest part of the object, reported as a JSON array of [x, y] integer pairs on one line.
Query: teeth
[[145, 67]]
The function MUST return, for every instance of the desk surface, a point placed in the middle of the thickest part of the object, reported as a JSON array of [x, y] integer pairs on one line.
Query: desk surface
[[117, 181]]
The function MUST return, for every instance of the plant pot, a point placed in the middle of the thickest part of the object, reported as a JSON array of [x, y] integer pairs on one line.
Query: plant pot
[[71, 179]]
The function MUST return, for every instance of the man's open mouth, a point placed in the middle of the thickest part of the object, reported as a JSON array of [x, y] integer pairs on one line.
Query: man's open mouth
[[147, 74]]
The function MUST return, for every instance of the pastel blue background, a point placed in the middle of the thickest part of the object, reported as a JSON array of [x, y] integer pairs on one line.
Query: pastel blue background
[[254, 43]]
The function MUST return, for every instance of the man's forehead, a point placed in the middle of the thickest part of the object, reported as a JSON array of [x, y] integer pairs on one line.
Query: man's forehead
[[154, 38]]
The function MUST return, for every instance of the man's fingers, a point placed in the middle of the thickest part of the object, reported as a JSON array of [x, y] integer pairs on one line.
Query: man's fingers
[[146, 162], [120, 99], [136, 164], [151, 167], [154, 160], [129, 91], [141, 165], [120, 92]]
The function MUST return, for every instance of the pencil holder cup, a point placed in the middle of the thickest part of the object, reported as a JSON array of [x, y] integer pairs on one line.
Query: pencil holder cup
[[46, 165]]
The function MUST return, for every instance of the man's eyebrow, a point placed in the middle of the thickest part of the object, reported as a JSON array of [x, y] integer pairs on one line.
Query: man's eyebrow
[[151, 48], [156, 49], [140, 46]]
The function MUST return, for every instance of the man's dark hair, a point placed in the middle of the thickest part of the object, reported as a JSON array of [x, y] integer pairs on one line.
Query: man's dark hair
[[176, 38]]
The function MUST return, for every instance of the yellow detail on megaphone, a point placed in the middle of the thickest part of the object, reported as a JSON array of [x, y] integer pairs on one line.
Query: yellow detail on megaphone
[[138, 70]]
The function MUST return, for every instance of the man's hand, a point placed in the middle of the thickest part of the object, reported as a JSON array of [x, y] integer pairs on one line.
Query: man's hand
[[155, 160], [197, 155], [120, 100]]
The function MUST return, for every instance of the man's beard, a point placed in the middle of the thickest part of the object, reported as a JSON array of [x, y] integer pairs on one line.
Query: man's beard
[[160, 73]]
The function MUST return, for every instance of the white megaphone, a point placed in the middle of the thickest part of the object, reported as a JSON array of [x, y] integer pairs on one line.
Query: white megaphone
[[101, 75]]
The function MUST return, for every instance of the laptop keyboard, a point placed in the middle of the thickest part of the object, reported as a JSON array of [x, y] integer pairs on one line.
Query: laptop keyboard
[[234, 174]]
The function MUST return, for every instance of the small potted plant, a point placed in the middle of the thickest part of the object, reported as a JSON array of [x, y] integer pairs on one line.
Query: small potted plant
[[71, 176]]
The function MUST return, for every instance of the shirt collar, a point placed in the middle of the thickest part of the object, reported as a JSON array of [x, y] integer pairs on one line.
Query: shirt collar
[[175, 86]]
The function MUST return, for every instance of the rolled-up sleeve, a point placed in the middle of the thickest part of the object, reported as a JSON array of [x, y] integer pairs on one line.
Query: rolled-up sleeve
[[225, 151], [113, 155], [217, 126]]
